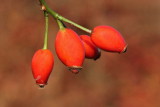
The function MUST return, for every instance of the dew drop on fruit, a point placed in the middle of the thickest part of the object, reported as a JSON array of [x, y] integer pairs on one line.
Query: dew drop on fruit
[[38, 77]]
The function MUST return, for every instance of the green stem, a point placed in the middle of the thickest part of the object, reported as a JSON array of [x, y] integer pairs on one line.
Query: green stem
[[60, 24], [46, 31], [57, 16]]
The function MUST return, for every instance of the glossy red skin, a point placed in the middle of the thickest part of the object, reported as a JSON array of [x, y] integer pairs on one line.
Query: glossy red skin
[[69, 48], [42, 65], [91, 51], [109, 39]]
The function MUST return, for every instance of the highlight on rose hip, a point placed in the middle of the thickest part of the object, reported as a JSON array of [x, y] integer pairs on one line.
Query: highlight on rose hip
[[71, 48]]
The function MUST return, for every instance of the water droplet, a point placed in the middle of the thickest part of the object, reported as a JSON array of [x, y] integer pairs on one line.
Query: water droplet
[[38, 77]]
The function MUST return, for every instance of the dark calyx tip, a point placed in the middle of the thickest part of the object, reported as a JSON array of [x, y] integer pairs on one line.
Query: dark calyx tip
[[124, 50], [98, 55], [41, 85], [75, 69]]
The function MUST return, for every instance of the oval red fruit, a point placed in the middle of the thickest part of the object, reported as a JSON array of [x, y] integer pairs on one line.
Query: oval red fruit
[[70, 49], [42, 65], [91, 51], [108, 39]]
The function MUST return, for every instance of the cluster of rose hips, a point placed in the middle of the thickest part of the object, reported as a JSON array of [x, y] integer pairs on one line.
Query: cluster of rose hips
[[72, 48]]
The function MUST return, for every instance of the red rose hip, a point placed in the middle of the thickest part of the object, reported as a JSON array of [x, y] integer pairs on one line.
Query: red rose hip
[[42, 65], [108, 39], [91, 51], [70, 49]]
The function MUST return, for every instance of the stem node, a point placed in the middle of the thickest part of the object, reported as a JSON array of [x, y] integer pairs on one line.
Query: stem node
[[61, 18], [43, 8]]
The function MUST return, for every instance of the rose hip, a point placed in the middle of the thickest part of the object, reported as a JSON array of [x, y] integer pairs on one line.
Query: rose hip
[[42, 65], [70, 49], [108, 39], [91, 51]]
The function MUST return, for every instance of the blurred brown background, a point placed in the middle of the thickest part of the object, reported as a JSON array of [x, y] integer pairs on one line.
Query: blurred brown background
[[115, 80]]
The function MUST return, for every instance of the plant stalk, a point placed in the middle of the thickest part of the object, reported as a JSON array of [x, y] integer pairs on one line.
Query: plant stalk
[[61, 18], [46, 31]]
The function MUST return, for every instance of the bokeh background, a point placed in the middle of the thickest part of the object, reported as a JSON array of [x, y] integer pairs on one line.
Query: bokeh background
[[115, 80]]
